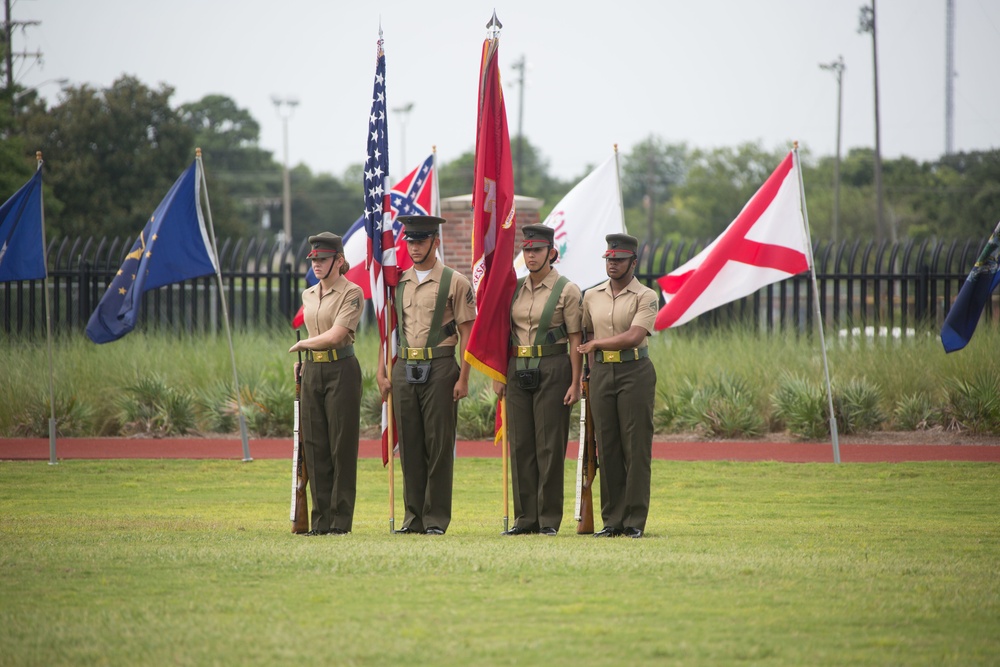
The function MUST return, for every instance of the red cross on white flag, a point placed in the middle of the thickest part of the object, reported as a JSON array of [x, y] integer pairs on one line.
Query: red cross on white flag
[[766, 243]]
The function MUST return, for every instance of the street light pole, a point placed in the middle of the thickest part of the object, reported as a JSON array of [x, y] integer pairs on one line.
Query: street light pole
[[837, 67], [866, 25], [404, 115], [285, 106], [520, 66]]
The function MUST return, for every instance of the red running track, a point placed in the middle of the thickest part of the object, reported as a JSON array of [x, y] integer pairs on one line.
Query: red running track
[[37, 449]]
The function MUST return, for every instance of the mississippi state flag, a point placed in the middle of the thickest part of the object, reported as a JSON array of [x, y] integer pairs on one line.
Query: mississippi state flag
[[766, 243], [411, 196]]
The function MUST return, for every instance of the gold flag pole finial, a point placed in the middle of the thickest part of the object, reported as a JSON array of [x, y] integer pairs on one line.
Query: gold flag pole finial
[[197, 152], [38, 155]]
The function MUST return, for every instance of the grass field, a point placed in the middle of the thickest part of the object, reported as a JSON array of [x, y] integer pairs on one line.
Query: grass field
[[192, 563]]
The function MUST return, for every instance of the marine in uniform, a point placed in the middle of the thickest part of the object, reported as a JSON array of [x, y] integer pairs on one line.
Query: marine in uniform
[[543, 383], [435, 309], [330, 404], [618, 315]]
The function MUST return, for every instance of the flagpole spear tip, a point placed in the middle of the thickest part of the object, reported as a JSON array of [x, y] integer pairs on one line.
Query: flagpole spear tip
[[494, 26]]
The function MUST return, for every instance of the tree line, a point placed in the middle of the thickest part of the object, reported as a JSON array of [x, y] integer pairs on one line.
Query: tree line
[[111, 154]]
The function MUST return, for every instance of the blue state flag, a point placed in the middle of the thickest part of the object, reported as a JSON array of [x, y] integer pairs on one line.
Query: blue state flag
[[22, 249], [173, 247], [968, 307]]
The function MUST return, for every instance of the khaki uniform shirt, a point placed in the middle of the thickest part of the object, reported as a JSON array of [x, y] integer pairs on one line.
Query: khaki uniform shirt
[[605, 315], [342, 304], [419, 299], [529, 302]]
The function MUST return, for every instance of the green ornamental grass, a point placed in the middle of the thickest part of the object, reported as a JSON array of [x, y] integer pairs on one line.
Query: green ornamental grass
[[724, 384]]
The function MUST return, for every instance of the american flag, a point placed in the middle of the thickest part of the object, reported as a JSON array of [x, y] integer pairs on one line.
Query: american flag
[[381, 259]]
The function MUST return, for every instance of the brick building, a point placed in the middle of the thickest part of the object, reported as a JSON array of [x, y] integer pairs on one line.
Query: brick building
[[456, 236]]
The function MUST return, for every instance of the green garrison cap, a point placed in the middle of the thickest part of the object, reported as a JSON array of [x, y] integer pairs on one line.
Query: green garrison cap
[[417, 227], [537, 236], [325, 244], [621, 245]]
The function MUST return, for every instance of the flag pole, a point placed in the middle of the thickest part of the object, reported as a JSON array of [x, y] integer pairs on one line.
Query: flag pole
[[388, 301], [436, 192], [503, 453], [225, 313], [819, 315], [436, 211], [53, 460], [618, 180], [390, 414]]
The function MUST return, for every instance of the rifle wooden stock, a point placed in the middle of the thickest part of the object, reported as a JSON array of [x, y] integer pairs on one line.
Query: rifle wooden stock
[[586, 466], [300, 477]]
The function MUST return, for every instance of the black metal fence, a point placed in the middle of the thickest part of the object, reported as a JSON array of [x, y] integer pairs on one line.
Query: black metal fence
[[873, 288], [886, 288]]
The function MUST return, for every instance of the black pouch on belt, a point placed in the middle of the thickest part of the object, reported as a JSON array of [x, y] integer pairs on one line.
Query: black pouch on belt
[[419, 372], [528, 379]]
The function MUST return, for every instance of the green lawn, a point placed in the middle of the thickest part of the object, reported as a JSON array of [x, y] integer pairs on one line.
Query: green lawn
[[192, 563]]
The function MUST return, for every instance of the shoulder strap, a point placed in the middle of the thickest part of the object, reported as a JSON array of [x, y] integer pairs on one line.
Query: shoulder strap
[[444, 288], [399, 313], [549, 310], [517, 290]]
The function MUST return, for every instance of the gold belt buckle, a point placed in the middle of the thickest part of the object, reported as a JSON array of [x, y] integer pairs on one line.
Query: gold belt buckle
[[321, 355], [612, 356], [414, 353], [524, 350]]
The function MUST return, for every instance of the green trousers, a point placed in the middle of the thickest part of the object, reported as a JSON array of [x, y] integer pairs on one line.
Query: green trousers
[[330, 409], [621, 399], [538, 430], [426, 417]]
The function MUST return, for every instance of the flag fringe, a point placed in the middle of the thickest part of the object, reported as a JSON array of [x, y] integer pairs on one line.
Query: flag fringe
[[483, 368]]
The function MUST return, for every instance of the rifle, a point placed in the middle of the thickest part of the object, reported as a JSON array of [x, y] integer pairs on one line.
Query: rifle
[[586, 461], [300, 505]]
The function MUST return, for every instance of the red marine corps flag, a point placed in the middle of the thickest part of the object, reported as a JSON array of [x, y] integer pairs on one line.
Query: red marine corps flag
[[493, 277]]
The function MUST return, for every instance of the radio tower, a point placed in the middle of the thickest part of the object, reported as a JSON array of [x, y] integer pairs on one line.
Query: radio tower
[[949, 78]]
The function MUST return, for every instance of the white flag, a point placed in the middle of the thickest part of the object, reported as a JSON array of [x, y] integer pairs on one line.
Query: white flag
[[766, 243], [581, 220]]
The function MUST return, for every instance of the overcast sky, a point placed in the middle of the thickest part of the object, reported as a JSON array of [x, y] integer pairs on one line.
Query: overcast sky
[[705, 72]]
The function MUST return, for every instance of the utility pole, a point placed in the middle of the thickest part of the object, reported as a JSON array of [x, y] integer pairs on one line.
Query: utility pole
[[650, 198], [285, 107], [520, 66], [837, 67], [866, 24], [8, 38], [949, 78]]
